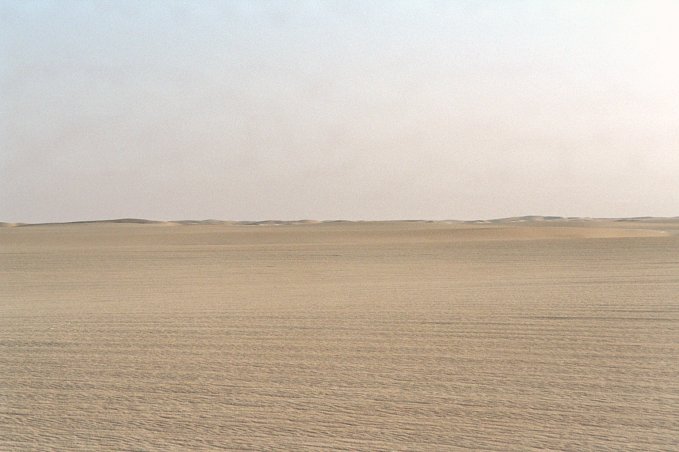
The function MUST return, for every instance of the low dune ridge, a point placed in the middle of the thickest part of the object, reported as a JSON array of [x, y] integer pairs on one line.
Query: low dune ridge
[[514, 228], [85, 222], [523, 220]]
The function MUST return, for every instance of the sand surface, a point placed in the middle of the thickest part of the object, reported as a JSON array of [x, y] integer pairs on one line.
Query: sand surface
[[356, 336]]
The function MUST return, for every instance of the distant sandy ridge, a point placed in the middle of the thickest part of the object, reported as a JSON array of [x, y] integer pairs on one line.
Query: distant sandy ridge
[[504, 229], [530, 219]]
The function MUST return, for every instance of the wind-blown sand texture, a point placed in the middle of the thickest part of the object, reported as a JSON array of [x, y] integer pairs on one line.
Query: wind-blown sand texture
[[516, 334]]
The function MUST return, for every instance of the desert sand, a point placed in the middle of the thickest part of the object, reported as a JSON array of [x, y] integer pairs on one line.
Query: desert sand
[[514, 334]]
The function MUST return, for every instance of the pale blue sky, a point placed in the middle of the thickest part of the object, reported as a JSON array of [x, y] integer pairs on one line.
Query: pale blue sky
[[338, 109]]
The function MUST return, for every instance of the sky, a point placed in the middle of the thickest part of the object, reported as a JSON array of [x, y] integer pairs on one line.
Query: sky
[[253, 110]]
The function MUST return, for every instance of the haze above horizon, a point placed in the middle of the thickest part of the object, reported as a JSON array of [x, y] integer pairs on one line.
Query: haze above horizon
[[355, 110]]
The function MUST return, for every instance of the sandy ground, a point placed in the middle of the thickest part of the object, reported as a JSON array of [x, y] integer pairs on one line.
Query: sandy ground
[[355, 336]]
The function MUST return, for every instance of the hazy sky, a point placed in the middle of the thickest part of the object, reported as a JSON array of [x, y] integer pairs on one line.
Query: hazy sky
[[338, 109]]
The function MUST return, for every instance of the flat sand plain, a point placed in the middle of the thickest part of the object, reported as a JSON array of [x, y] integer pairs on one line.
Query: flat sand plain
[[357, 336]]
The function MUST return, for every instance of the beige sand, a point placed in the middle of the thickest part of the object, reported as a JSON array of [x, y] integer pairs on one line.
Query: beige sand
[[513, 335]]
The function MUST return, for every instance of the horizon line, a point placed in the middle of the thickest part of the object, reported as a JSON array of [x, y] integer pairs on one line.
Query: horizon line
[[522, 218]]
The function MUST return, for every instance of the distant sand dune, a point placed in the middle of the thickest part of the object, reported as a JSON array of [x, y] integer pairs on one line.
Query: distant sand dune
[[513, 221]]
